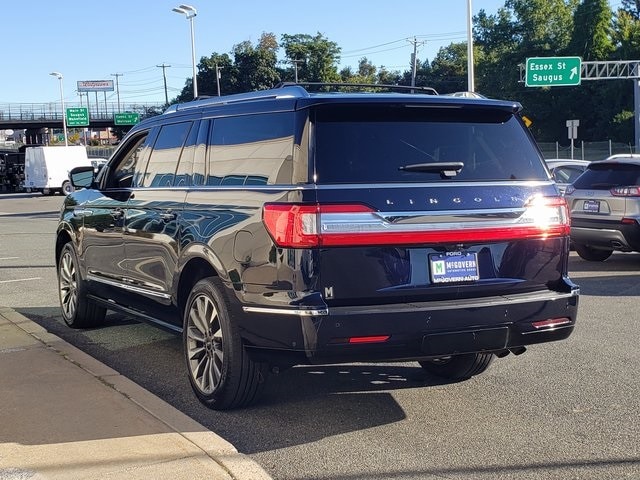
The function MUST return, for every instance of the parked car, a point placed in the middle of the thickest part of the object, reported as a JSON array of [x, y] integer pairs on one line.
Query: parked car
[[288, 227], [564, 171], [605, 208]]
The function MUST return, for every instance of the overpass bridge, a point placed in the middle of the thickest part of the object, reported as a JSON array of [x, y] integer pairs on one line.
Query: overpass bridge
[[36, 116]]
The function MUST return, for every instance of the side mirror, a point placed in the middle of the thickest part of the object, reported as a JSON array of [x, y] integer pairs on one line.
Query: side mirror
[[82, 177]]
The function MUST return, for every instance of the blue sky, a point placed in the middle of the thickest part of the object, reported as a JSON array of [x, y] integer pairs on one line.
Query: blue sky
[[93, 40]]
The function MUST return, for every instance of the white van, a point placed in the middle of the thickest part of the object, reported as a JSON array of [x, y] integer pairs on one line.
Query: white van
[[46, 169]]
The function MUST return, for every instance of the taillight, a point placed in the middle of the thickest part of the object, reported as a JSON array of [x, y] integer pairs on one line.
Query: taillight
[[629, 191], [315, 225]]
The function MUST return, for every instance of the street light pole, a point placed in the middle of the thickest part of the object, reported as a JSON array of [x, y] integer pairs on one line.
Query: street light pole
[[470, 80], [58, 75], [190, 12]]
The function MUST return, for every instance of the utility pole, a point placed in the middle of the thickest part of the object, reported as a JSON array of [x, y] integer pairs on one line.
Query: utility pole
[[218, 77], [117, 87], [164, 77], [295, 66], [414, 60]]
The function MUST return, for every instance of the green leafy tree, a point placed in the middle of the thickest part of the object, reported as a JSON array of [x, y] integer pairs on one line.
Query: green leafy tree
[[316, 56], [593, 23]]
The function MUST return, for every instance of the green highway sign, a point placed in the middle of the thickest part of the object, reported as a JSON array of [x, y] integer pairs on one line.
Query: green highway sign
[[126, 118], [553, 71], [78, 117]]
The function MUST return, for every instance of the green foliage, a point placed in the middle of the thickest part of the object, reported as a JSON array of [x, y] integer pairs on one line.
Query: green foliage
[[502, 42]]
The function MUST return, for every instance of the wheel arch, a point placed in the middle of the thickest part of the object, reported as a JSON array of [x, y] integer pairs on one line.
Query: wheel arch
[[62, 238], [191, 273]]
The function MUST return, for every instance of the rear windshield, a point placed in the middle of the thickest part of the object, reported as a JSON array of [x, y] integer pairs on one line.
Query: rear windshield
[[355, 144], [607, 176]]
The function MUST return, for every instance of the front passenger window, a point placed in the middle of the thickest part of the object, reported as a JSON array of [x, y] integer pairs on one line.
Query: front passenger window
[[122, 175]]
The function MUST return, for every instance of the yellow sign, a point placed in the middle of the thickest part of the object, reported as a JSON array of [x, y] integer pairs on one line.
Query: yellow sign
[[527, 121]]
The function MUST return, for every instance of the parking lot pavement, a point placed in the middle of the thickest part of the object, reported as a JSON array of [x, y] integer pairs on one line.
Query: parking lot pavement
[[65, 415]]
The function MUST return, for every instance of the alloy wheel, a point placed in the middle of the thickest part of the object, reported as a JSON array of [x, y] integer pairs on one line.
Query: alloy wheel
[[68, 285], [204, 344]]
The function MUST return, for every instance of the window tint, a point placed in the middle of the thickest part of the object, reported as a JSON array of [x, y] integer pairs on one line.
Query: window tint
[[163, 161], [371, 144], [251, 150], [123, 172], [607, 176]]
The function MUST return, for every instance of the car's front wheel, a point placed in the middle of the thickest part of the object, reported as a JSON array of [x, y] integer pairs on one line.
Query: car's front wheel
[[592, 254], [458, 367], [78, 311], [222, 374]]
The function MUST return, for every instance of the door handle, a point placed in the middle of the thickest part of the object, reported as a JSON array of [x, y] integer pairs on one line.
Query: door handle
[[168, 216]]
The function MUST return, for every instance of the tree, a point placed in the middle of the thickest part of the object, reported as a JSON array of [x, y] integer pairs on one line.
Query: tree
[[317, 57], [593, 21], [448, 72], [254, 67]]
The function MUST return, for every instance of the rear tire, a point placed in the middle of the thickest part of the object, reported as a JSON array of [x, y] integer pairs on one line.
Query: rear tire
[[458, 367], [221, 373], [67, 188], [78, 311], [592, 254]]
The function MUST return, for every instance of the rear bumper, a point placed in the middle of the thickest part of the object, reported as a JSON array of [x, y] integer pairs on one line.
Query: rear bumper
[[417, 330], [603, 234]]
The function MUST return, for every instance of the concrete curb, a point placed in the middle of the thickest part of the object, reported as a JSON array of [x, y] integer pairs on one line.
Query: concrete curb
[[238, 465]]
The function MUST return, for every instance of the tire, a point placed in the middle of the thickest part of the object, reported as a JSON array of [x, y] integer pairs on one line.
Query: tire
[[221, 373], [78, 311], [458, 367], [592, 254], [67, 188]]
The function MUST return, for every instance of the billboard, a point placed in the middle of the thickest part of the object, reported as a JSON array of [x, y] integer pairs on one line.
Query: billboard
[[95, 86]]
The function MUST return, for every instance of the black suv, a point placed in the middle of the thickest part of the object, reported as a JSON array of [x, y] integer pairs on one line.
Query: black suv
[[285, 227]]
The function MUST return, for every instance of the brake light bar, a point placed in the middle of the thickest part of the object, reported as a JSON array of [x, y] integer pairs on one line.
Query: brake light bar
[[315, 225]]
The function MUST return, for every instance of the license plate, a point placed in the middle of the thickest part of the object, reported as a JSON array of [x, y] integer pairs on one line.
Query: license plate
[[591, 206], [453, 267]]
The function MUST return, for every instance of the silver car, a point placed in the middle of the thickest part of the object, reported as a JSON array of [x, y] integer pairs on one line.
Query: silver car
[[565, 171], [604, 205]]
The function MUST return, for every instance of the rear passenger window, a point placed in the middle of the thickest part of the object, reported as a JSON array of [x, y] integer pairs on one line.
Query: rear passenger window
[[167, 151], [251, 150]]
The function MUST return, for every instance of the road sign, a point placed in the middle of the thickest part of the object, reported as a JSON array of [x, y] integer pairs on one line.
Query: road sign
[[126, 118], [77, 117], [572, 127], [553, 71]]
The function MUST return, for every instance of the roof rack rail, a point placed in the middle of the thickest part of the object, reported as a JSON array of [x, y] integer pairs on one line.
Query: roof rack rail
[[236, 98], [337, 85]]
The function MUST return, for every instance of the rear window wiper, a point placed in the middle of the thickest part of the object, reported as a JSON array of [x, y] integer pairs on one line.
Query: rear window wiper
[[445, 169]]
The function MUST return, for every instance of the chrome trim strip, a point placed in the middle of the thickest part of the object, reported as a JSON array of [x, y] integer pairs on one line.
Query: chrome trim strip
[[420, 306], [306, 312], [127, 287]]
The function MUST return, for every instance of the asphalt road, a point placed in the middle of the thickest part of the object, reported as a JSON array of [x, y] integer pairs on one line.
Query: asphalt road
[[567, 410]]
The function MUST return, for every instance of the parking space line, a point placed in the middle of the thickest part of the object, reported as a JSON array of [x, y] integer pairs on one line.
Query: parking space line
[[21, 280], [9, 258]]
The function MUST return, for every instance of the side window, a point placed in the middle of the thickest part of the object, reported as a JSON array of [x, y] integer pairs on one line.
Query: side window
[[163, 160], [122, 174], [184, 172], [251, 150], [199, 157]]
